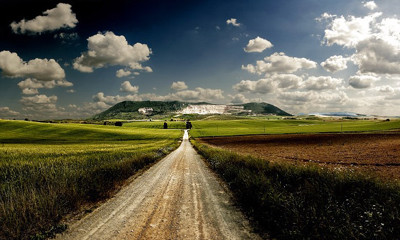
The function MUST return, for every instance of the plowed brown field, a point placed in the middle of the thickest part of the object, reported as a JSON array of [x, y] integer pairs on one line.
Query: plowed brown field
[[377, 153]]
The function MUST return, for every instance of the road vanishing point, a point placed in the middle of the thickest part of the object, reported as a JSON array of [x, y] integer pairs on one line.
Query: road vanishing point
[[177, 198]]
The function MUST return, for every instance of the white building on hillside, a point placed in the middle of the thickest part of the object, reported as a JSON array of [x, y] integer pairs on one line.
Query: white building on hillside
[[213, 109], [145, 111]]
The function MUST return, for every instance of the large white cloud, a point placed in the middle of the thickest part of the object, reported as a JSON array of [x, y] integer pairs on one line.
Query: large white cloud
[[287, 82], [233, 22], [375, 39], [52, 19], [179, 85], [258, 44], [280, 63], [322, 83], [348, 32], [362, 81], [377, 56], [110, 49], [41, 69], [30, 86], [127, 87], [335, 63]]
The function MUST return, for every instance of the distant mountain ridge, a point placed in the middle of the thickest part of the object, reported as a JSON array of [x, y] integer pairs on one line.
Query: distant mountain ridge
[[338, 114], [129, 109]]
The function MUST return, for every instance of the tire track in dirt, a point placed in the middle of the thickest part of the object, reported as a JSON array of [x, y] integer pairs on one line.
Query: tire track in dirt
[[177, 198]]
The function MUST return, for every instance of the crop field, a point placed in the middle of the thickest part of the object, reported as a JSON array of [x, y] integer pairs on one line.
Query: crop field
[[49, 170], [273, 126], [375, 154], [289, 201], [282, 176]]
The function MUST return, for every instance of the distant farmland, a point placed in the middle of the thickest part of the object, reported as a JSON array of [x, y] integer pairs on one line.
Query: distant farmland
[[376, 153], [280, 172], [274, 126]]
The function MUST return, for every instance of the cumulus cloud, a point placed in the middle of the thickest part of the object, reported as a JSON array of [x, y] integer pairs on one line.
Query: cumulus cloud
[[122, 73], [110, 49], [6, 112], [362, 81], [296, 97], [348, 32], [30, 86], [377, 56], [371, 5], [198, 94], [375, 39], [386, 89], [300, 101], [259, 86], [239, 98], [127, 87], [179, 85], [111, 100], [52, 19], [257, 45], [279, 63], [41, 69], [335, 63], [40, 103], [270, 84], [287, 81], [322, 83], [233, 22]]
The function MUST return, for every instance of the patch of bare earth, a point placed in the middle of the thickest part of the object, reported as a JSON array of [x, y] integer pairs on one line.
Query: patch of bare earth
[[373, 153], [177, 198]]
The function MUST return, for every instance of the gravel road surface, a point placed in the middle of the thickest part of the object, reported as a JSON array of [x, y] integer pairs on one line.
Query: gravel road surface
[[177, 198]]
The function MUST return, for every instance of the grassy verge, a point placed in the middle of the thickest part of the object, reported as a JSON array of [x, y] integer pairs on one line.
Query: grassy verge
[[49, 170], [291, 202]]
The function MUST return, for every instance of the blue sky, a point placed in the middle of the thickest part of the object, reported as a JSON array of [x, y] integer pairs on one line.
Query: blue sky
[[72, 59]]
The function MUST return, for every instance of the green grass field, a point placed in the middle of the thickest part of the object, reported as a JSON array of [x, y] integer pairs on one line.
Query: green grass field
[[49, 170], [248, 126], [262, 126]]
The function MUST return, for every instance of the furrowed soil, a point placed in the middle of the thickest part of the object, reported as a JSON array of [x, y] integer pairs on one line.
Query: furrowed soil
[[372, 153]]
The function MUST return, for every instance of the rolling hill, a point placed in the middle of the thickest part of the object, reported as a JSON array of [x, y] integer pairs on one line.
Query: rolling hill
[[129, 109]]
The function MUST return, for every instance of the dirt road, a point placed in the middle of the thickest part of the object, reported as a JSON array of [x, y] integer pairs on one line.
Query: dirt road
[[177, 198]]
